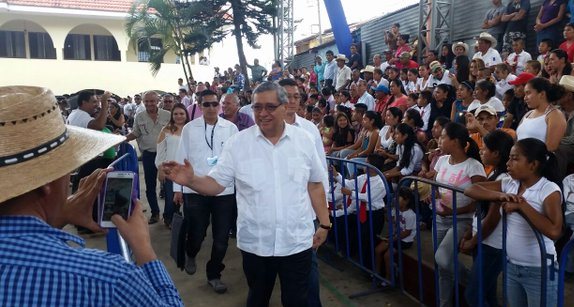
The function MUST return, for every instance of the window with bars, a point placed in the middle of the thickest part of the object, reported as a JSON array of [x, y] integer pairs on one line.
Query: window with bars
[[146, 47]]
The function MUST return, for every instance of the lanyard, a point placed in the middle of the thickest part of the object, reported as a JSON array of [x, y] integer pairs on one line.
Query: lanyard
[[205, 135]]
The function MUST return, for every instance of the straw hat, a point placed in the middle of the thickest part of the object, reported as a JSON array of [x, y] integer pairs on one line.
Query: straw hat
[[36, 147], [368, 68], [487, 37], [567, 81], [460, 44], [341, 57]]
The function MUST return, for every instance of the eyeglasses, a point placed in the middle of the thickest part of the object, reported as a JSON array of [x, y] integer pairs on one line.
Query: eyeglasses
[[207, 104], [269, 107]]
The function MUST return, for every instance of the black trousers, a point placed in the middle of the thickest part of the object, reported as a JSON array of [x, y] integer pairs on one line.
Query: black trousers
[[199, 211], [293, 272]]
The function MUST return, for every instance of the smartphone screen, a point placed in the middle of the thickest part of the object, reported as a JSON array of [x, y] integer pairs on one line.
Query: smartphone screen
[[117, 197]]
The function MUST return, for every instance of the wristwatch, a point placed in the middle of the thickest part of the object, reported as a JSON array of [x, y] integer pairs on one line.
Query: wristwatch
[[328, 227]]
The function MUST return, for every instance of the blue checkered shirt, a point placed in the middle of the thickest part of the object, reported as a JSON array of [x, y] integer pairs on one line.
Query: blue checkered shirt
[[39, 268]]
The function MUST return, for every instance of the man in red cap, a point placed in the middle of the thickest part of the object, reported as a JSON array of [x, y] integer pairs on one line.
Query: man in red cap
[[517, 107]]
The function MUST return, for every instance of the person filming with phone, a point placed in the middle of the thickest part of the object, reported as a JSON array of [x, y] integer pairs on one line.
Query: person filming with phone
[[41, 264]]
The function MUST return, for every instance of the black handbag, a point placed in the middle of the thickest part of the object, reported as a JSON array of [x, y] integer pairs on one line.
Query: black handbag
[[178, 232]]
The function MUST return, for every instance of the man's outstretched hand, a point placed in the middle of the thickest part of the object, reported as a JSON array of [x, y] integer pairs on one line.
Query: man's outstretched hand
[[181, 174]]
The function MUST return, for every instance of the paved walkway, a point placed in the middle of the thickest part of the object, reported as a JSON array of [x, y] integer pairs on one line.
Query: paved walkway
[[336, 283]]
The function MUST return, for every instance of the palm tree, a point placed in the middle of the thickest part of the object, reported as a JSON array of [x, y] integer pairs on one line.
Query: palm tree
[[169, 22]]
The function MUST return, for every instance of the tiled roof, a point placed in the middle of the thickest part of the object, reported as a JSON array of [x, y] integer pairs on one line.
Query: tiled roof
[[96, 5]]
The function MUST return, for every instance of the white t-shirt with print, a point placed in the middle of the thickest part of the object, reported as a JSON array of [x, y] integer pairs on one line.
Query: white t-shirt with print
[[408, 222], [458, 175]]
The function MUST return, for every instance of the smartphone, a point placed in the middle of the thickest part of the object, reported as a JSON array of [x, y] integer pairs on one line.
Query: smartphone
[[117, 197]]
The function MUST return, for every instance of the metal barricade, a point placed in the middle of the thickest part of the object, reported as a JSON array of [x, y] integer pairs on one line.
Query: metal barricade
[[562, 272], [479, 256], [365, 232]]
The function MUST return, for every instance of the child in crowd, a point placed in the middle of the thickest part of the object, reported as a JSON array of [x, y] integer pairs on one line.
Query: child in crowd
[[425, 105], [427, 168], [309, 112], [371, 201], [497, 145], [327, 130], [544, 47], [411, 83], [316, 116], [517, 60], [413, 118], [533, 67], [410, 153], [568, 44], [412, 101], [459, 167], [507, 98], [405, 235], [504, 76], [531, 193]]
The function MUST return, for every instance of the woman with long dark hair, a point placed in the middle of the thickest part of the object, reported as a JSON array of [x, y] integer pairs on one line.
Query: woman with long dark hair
[[544, 122], [495, 154], [460, 167], [410, 153], [531, 198], [343, 134], [167, 144]]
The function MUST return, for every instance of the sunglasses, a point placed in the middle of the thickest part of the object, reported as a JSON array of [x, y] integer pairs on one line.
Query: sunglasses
[[267, 107], [207, 104]]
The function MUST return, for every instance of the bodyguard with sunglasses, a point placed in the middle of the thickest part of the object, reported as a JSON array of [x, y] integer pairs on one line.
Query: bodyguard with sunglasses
[[201, 143], [278, 175]]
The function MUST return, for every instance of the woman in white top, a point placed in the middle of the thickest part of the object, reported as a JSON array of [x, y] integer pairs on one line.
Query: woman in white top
[[544, 122], [458, 167], [167, 144], [409, 151], [484, 92], [385, 143], [495, 153], [424, 74], [530, 194]]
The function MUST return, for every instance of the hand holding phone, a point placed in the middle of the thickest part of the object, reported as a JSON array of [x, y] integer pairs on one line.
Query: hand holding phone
[[117, 197]]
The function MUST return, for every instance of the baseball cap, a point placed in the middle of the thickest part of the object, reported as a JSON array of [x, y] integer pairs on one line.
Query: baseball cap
[[522, 79]]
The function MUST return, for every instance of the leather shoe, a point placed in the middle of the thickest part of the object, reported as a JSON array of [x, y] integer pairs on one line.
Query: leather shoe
[[153, 219], [217, 285], [190, 266]]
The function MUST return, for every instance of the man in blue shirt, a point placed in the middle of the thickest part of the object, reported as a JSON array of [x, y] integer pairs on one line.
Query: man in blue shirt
[[39, 267]]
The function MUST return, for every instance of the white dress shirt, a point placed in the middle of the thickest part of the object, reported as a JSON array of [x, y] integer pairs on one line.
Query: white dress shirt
[[274, 212], [378, 192], [368, 100], [195, 144], [330, 71], [518, 61], [343, 75]]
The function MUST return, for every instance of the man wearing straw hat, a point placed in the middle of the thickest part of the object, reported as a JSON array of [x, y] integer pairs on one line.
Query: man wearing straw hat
[[486, 51], [39, 267], [343, 77]]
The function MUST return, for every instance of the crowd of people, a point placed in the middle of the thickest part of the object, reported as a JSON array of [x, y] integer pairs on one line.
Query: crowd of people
[[248, 157]]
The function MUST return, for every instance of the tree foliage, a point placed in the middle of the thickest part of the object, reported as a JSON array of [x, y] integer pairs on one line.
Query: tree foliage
[[188, 27]]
